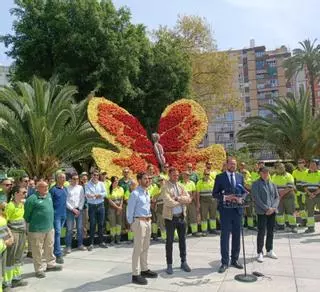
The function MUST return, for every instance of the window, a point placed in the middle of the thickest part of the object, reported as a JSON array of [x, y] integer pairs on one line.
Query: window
[[259, 65], [246, 89], [247, 99], [264, 113], [274, 82], [318, 93], [260, 54], [260, 76], [260, 86], [261, 95], [248, 109]]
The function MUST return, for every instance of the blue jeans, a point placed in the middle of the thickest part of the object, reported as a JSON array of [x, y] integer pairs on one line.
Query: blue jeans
[[70, 223], [58, 223], [96, 216]]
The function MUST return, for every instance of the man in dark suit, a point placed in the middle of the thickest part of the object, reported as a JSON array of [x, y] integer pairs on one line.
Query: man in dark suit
[[229, 191]]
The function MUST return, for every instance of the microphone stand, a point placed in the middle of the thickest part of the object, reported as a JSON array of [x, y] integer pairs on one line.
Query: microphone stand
[[246, 278]]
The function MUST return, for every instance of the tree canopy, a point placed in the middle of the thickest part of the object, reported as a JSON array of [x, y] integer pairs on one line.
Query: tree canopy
[[94, 46], [306, 58], [290, 130], [41, 126]]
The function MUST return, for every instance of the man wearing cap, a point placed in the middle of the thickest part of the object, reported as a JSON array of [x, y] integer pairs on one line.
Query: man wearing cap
[[139, 218], [285, 184], [266, 198], [207, 204], [312, 189]]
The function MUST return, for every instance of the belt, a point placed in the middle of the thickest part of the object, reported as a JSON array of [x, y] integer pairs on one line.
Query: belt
[[205, 194], [143, 218], [95, 205], [178, 215]]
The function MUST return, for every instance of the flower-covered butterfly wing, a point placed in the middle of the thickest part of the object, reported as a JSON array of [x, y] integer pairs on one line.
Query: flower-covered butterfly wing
[[124, 131], [182, 127]]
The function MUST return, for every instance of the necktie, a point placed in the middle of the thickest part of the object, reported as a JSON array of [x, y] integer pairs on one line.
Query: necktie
[[232, 180]]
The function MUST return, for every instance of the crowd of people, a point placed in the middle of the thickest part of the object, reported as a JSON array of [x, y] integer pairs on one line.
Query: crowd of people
[[167, 206]]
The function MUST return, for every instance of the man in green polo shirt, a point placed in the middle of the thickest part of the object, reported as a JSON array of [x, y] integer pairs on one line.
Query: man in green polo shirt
[[39, 215]]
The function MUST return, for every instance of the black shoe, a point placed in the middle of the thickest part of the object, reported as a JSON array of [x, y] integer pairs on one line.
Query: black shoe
[[19, 283], [29, 254], [139, 280], [252, 228], [310, 230], [149, 274], [40, 275], [214, 231], [222, 269], [60, 260], [169, 270], [56, 268], [280, 227], [103, 245], [90, 247], [237, 265], [185, 267]]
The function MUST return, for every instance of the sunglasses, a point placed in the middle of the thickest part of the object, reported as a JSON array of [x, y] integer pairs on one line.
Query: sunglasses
[[8, 185]]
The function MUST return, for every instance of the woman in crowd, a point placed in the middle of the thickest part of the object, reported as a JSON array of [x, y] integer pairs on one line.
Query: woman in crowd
[[14, 212], [115, 199]]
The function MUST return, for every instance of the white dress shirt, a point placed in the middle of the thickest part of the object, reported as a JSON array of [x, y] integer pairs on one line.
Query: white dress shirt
[[75, 197]]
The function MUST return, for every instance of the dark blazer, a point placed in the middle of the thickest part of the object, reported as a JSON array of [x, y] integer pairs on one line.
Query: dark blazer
[[222, 186]]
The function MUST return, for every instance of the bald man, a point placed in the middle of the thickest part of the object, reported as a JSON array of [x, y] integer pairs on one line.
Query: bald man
[[39, 215]]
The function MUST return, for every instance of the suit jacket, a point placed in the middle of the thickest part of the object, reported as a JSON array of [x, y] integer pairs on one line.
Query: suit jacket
[[222, 186], [168, 195]]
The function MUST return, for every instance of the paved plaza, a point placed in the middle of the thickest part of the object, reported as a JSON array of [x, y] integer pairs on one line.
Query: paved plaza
[[297, 269]]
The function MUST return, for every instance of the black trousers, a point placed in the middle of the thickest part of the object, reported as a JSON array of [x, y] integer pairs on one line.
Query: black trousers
[[179, 224], [264, 222]]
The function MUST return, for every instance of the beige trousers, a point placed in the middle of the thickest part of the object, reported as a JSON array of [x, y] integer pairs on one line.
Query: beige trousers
[[141, 242], [42, 244]]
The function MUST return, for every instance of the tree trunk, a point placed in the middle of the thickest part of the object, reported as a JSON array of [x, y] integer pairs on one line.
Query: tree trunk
[[313, 95]]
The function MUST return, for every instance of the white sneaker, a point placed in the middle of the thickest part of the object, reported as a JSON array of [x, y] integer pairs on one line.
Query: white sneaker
[[272, 255], [260, 257]]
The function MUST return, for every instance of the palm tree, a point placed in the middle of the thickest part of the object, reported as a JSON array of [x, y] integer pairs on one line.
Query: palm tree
[[41, 126], [290, 130], [306, 58]]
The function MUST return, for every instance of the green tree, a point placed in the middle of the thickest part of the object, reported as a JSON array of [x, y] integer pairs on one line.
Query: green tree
[[306, 58], [290, 130], [94, 46], [212, 71], [42, 127]]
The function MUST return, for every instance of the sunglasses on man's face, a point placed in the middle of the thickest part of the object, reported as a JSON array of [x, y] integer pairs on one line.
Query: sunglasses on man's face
[[8, 185]]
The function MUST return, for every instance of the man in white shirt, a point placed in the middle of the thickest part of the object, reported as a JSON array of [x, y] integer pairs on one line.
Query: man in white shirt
[[75, 203]]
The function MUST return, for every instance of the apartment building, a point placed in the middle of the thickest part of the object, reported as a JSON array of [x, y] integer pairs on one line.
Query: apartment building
[[259, 78], [4, 72]]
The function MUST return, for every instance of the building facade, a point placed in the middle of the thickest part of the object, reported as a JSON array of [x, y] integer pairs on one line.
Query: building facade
[[259, 79], [4, 73]]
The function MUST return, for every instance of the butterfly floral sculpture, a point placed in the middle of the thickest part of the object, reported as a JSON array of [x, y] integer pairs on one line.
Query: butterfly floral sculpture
[[181, 128]]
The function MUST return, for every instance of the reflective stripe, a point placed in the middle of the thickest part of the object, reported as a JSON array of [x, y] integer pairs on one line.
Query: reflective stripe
[[205, 194]]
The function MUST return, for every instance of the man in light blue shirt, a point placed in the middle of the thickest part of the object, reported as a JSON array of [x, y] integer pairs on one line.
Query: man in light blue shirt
[[95, 192], [139, 217]]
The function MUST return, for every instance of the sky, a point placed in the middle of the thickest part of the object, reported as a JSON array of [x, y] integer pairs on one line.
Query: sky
[[234, 22]]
